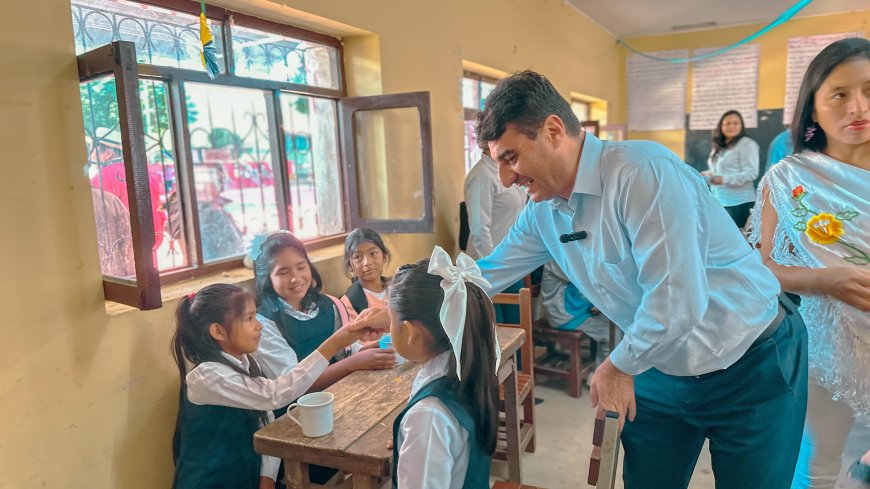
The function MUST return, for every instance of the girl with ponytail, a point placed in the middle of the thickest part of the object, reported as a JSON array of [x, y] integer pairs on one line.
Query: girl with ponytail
[[224, 398], [440, 316]]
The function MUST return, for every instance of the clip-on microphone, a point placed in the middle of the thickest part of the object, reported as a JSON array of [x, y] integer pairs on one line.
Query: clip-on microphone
[[567, 238]]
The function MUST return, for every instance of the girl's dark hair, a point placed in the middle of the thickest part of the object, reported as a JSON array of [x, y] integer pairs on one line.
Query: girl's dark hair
[[275, 244], [719, 142], [820, 67], [413, 295], [192, 342], [357, 237]]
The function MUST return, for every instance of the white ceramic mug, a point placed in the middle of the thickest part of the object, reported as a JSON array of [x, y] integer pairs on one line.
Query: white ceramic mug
[[316, 409]]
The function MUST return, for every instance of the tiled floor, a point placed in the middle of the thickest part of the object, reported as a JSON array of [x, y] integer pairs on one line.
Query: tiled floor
[[564, 444]]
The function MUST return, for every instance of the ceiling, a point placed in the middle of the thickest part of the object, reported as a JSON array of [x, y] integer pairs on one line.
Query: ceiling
[[660, 17]]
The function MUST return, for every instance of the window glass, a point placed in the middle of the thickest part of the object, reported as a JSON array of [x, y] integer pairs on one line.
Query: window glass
[[580, 109], [230, 137], [389, 164], [485, 89], [313, 166], [259, 54], [470, 93], [162, 37], [106, 173]]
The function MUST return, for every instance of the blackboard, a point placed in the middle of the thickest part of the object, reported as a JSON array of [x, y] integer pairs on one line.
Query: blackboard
[[699, 143]]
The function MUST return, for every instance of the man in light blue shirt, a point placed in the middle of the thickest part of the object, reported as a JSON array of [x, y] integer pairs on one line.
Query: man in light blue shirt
[[708, 351]]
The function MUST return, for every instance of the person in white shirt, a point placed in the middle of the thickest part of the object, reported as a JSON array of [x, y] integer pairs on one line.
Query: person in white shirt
[[224, 398], [709, 351], [733, 167], [440, 316], [492, 208]]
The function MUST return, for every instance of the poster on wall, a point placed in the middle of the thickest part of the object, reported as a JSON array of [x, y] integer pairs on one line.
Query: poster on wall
[[657, 91], [725, 82], [802, 50]]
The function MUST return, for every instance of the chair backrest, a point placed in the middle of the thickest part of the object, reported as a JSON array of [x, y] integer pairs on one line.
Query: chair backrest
[[464, 230], [524, 299]]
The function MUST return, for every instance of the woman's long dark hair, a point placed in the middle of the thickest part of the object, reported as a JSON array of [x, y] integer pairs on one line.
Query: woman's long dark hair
[[719, 141], [275, 244], [357, 237], [192, 342], [820, 67], [413, 295]]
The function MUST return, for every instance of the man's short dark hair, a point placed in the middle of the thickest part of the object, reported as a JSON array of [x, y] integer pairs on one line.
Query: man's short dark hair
[[523, 100]]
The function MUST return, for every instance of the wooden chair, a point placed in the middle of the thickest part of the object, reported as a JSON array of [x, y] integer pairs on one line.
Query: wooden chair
[[571, 340], [575, 342], [521, 430]]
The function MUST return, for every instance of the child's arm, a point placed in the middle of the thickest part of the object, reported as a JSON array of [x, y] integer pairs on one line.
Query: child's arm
[[368, 359], [433, 445], [267, 483], [269, 471], [269, 465], [274, 355], [218, 384]]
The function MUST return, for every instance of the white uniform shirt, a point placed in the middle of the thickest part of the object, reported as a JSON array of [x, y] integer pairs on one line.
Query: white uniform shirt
[[217, 384], [492, 209], [433, 447], [662, 259], [738, 167]]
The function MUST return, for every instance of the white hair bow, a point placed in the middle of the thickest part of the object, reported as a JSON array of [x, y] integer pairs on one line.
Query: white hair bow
[[453, 308]]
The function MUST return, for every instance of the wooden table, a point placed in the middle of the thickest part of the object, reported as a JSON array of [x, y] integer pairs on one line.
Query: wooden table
[[366, 404]]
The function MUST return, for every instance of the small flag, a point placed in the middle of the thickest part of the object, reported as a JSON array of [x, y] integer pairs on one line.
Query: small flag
[[209, 52]]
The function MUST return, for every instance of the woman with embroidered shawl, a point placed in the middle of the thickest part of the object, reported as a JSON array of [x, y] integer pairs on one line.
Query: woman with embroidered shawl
[[813, 230]]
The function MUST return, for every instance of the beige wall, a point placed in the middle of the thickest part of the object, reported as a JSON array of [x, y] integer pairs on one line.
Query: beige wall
[[772, 61], [89, 400]]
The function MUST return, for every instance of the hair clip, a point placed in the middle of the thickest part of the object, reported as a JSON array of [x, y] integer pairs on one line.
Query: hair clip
[[191, 295], [811, 131]]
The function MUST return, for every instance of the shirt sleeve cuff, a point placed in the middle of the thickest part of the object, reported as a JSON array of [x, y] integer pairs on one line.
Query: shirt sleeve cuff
[[620, 357], [269, 467]]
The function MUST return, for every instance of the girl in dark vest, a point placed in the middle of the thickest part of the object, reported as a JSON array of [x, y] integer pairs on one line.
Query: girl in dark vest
[[365, 255], [297, 316], [440, 316], [224, 398]]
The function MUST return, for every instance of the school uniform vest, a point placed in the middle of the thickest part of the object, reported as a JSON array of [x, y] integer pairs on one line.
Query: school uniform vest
[[216, 449], [303, 336], [357, 295], [477, 475]]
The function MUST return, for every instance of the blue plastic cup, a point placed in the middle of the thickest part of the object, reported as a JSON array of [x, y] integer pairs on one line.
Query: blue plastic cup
[[386, 341]]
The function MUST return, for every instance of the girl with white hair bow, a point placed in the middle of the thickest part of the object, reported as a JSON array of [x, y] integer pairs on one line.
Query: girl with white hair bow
[[441, 317]]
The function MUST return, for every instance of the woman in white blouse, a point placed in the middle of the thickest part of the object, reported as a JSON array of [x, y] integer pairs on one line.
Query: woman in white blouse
[[733, 167]]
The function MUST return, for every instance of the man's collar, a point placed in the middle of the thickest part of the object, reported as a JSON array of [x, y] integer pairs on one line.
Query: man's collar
[[588, 179]]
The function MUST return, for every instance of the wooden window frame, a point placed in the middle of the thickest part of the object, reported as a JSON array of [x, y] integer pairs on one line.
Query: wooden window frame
[[119, 58], [347, 108]]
